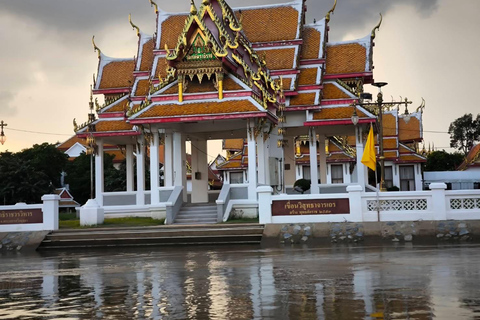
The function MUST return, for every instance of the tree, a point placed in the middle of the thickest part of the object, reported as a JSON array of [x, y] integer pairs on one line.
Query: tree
[[21, 180], [443, 161], [464, 132]]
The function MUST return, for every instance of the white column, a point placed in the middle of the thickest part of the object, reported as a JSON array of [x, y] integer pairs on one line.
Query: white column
[[99, 173], [262, 160], [355, 201], [361, 169], [313, 161], [141, 171], [252, 161], [154, 169], [177, 159], [184, 167], [323, 159], [130, 166], [289, 160], [199, 171], [168, 163], [50, 211], [265, 204]]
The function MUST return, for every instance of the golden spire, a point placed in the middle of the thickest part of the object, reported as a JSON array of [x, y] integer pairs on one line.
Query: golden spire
[[327, 17], [95, 48], [206, 2], [153, 4], [377, 27], [193, 8], [133, 26]]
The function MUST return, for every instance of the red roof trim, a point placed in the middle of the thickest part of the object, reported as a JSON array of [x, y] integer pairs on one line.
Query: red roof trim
[[311, 61], [310, 87], [337, 101], [302, 108], [111, 115], [110, 134], [205, 118], [141, 73], [281, 43], [285, 72], [348, 75], [111, 91], [318, 123]]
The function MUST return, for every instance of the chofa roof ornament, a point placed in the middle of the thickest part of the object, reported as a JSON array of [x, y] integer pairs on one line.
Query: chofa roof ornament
[[95, 48], [327, 17], [377, 27]]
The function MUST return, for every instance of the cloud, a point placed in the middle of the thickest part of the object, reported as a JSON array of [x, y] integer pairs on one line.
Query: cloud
[[6, 105]]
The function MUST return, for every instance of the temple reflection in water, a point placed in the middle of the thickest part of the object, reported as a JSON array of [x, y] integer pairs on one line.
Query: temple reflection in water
[[239, 283]]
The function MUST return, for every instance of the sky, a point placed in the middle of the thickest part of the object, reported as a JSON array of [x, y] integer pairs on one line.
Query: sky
[[424, 48]]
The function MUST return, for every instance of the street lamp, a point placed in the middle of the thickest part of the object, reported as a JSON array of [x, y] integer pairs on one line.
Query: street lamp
[[3, 137], [379, 105]]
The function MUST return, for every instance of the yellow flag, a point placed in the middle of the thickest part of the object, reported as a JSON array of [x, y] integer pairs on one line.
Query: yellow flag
[[369, 154]]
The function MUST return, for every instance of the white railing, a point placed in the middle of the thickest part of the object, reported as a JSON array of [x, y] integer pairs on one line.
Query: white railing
[[434, 205], [233, 196], [174, 204]]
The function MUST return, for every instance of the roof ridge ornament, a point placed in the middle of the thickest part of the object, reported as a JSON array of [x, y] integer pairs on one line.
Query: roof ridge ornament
[[153, 4], [133, 26], [327, 17], [377, 27], [95, 48], [193, 8]]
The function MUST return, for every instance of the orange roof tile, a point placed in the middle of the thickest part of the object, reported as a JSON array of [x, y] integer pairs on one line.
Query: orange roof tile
[[337, 113], [196, 87], [270, 24], [104, 126], [411, 157], [172, 90], [331, 91], [311, 43], [118, 156], [389, 124], [147, 56], [278, 59], [161, 70], [143, 88], [171, 29], [472, 157], [303, 99], [233, 144], [346, 58], [390, 143], [70, 142], [390, 154], [117, 74], [339, 157], [287, 83], [409, 131], [119, 107], [307, 76], [230, 85], [199, 108]]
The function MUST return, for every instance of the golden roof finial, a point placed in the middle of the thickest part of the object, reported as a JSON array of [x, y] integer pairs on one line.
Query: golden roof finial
[[75, 125], [421, 107], [206, 2], [193, 8], [133, 26], [377, 27], [327, 17], [95, 48], [153, 4]]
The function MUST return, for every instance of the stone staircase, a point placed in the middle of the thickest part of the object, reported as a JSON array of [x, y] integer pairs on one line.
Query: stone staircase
[[197, 214], [154, 236]]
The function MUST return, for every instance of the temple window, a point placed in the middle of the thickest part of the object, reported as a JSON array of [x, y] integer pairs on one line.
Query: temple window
[[337, 173], [407, 178], [236, 177], [388, 177]]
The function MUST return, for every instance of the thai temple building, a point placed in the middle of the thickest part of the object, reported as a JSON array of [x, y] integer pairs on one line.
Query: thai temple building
[[280, 95]]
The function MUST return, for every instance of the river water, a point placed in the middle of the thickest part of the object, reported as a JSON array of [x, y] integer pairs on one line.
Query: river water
[[244, 282]]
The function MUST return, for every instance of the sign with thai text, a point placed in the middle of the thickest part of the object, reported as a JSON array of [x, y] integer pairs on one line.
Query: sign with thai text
[[21, 216], [310, 207]]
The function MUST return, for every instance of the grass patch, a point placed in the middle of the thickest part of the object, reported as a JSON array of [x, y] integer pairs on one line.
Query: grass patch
[[114, 222], [243, 220], [67, 216]]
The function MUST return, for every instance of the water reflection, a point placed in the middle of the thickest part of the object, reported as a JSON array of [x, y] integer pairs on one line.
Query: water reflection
[[244, 283]]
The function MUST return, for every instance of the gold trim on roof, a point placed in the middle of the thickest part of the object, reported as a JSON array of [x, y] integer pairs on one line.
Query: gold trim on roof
[[133, 26], [327, 17], [377, 27], [95, 48]]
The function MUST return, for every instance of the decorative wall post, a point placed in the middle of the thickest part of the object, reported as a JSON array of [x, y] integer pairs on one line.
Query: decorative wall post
[[252, 161], [130, 166], [265, 204], [50, 211], [168, 165], [141, 171], [361, 169], [154, 169], [439, 203], [355, 200]]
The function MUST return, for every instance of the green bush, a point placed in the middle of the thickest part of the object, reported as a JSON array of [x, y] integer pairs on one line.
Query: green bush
[[393, 188]]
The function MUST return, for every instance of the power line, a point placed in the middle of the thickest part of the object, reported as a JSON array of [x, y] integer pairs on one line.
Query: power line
[[37, 132]]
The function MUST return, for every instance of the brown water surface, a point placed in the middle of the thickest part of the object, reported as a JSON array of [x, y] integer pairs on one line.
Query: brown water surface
[[339, 282]]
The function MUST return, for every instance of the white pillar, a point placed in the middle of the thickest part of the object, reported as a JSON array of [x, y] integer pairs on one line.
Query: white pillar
[[183, 146], [154, 169], [289, 159], [252, 161], [323, 159], [262, 160], [355, 201], [130, 166], [177, 159], [199, 171], [141, 171], [50, 211], [439, 202], [361, 168], [265, 204], [168, 163], [99, 176], [313, 161]]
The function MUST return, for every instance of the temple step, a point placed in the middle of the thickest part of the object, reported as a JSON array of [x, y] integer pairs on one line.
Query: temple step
[[197, 214], [154, 236]]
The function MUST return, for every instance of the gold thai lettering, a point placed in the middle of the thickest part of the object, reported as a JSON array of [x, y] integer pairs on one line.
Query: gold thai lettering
[[19, 214]]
